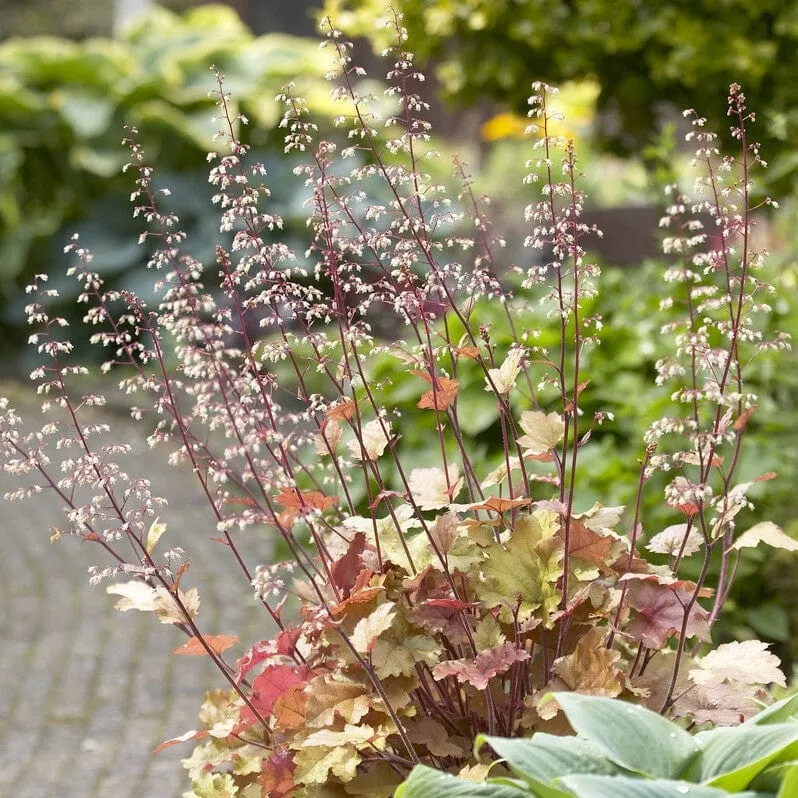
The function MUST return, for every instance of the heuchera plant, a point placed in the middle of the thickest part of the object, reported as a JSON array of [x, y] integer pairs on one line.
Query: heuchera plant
[[425, 602]]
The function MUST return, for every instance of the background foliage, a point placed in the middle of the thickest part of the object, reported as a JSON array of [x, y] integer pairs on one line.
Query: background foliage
[[648, 58], [63, 106]]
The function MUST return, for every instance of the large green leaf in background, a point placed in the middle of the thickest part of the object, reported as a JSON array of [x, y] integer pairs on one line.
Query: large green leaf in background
[[63, 107]]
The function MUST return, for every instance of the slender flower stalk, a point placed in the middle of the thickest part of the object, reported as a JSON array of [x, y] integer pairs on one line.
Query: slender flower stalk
[[425, 599]]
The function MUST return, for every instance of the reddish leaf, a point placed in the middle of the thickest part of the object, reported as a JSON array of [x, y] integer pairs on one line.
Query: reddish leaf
[[274, 681], [257, 654], [661, 611], [479, 671], [499, 505], [451, 604], [345, 570], [286, 640], [385, 494], [277, 775], [218, 643]]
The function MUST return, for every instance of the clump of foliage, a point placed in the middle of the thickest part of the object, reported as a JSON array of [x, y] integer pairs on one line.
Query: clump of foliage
[[640, 55], [62, 105], [427, 602], [622, 750]]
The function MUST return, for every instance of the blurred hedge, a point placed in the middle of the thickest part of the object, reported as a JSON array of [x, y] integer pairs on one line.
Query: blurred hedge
[[651, 60], [63, 106]]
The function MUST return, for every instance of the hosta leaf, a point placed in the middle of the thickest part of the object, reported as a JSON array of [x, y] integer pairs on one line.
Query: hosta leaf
[[425, 782], [731, 757], [780, 712], [546, 757], [631, 736], [774, 775], [585, 786], [789, 786]]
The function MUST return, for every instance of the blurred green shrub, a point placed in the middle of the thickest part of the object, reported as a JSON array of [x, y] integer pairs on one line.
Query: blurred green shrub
[[643, 55], [63, 106]]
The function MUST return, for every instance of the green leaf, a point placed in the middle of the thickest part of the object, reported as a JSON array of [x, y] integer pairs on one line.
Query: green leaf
[[584, 786], [731, 758], [544, 758], [789, 787], [633, 737], [527, 566], [781, 712], [88, 114], [772, 777], [425, 782]]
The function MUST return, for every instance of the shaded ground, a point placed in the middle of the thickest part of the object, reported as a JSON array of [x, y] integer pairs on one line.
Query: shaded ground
[[86, 693]]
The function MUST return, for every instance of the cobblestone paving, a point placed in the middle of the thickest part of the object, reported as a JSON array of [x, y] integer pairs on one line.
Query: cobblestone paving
[[86, 693]]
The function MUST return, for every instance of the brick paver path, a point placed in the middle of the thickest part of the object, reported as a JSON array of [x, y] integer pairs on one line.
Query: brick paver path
[[86, 692]]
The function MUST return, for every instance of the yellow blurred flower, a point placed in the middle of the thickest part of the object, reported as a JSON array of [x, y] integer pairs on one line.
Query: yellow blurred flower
[[576, 102]]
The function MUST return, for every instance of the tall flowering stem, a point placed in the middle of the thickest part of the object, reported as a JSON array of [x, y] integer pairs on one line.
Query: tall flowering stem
[[426, 599]]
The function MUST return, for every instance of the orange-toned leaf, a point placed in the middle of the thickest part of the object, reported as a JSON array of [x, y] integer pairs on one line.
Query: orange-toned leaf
[[245, 500], [471, 352], [289, 708], [742, 419], [342, 412], [443, 395], [569, 406], [768, 475], [499, 505], [365, 596], [451, 604], [585, 544], [217, 643], [193, 734], [304, 501]]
